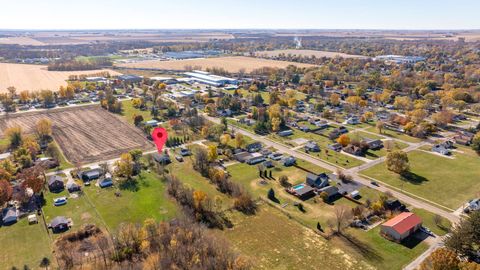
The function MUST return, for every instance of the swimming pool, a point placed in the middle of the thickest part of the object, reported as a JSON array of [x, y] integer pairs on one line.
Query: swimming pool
[[299, 186]]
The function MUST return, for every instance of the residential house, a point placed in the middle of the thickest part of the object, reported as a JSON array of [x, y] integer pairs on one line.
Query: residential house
[[317, 181], [59, 224], [289, 161], [401, 226], [353, 150], [9, 215], [473, 205], [242, 156], [302, 191], [441, 149], [254, 147], [162, 158], [312, 146], [354, 120], [373, 144], [463, 139], [72, 186], [255, 160], [331, 191], [338, 131], [106, 181], [55, 184], [90, 175], [335, 147]]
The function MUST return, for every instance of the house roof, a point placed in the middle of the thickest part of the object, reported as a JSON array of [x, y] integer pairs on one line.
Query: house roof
[[403, 222], [53, 179], [58, 220]]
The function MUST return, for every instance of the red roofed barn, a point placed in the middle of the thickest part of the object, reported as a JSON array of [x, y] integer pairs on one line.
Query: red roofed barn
[[401, 226]]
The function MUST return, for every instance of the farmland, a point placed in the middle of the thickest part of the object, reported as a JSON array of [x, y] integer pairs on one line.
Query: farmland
[[307, 53], [36, 77], [84, 133], [231, 64]]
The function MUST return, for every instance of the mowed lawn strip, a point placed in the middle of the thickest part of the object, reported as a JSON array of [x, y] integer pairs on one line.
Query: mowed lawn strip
[[449, 182], [24, 244]]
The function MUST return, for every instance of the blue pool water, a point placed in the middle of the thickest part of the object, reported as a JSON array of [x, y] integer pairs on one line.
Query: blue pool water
[[300, 186]]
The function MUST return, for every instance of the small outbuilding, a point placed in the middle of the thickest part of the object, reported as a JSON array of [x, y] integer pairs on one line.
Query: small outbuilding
[[9, 215], [59, 224]]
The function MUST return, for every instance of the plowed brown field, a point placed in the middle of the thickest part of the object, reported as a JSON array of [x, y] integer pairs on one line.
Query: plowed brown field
[[86, 134]]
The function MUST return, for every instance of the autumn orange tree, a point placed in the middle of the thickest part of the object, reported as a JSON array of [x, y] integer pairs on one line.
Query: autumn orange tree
[[344, 140]]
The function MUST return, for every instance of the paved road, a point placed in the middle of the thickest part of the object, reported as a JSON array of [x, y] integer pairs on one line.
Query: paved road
[[415, 264]]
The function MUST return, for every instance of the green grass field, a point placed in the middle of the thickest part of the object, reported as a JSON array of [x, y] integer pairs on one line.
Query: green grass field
[[395, 135], [24, 244], [147, 199], [449, 182], [374, 154], [129, 111], [429, 222]]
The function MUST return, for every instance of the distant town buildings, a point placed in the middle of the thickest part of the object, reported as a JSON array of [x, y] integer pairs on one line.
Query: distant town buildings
[[399, 59]]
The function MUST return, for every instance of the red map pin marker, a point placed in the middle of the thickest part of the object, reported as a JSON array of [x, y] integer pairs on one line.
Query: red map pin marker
[[159, 136]]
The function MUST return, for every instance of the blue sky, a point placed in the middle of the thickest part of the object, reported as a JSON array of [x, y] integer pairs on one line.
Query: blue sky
[[276, 14]]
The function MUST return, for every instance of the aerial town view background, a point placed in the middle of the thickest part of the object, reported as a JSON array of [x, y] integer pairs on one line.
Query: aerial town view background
[[270, 143]]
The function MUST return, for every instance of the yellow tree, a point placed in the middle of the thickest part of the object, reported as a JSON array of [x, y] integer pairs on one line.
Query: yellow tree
[[276, 124], [44, 128], [125, 166], [225, 139], [24, 96], [212, 153], [239, 141]]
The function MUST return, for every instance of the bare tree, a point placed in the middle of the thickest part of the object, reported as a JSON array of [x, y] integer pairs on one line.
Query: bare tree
[[342, 218]]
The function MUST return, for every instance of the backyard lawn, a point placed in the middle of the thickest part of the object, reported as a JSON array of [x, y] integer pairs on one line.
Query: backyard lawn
[[374, 154], [129, 111], [451, 183], [24, 244], [146, 199]]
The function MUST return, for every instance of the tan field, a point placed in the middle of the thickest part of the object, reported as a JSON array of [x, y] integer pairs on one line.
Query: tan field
[[317, 54], [21, 41], [36, 77], [85, 134], [231, 64]]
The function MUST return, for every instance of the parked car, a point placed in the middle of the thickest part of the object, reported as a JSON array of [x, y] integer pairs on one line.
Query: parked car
[[374, 183], [60, 201], [427, 231], [179, 158]]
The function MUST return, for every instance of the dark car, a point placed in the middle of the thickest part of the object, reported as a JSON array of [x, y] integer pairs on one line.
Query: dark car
[[374, 183]]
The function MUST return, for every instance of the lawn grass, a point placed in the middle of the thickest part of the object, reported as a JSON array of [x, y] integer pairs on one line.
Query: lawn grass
[[128, 111], [429, 222], [273, 241], [380, 252], [146, 199], [80, 210], [448, 182], [24, 244], [395, 135]]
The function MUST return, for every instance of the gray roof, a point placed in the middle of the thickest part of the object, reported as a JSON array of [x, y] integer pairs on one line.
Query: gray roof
[[58, 220], [9, 214], [330, 190], [305, 190], [54, 178]]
